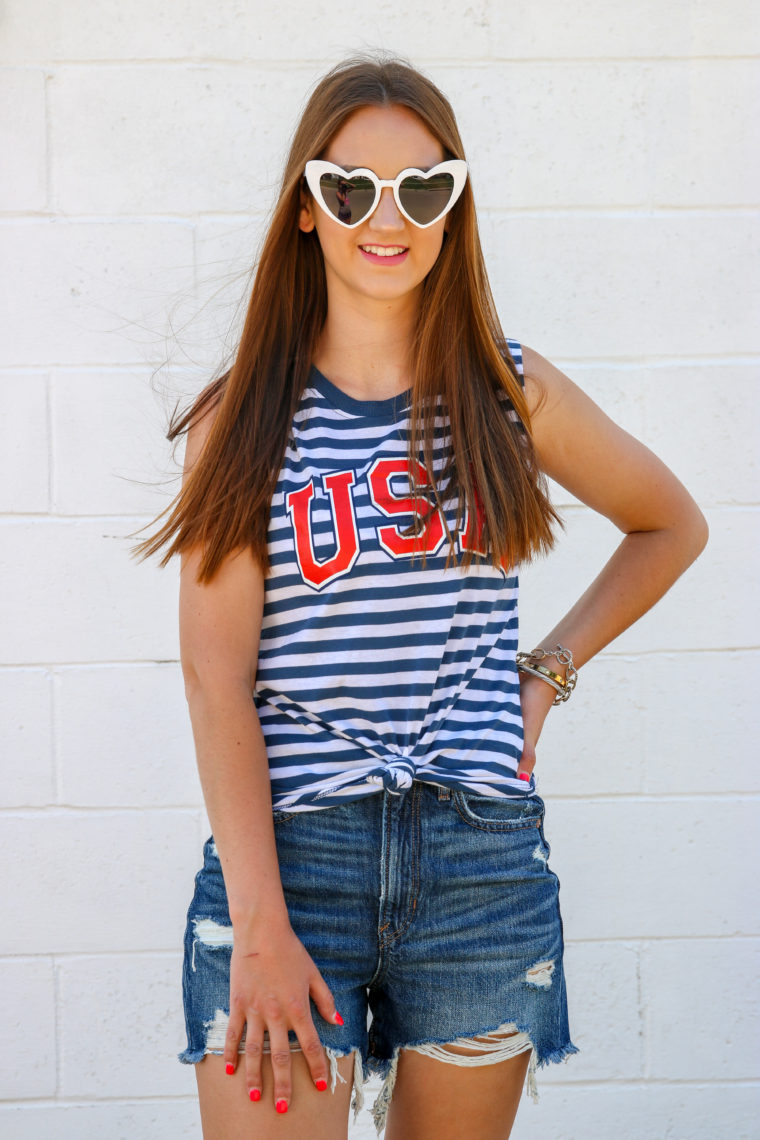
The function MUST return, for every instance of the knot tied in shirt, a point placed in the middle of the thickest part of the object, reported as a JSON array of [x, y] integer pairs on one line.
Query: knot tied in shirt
[[394, 777]]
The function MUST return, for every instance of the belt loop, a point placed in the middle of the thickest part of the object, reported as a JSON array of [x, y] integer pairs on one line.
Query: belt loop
[[444, 793]]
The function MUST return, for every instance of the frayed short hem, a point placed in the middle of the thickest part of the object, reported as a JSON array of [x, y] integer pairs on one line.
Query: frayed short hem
[[558, 1055], [490, 1053], [508, 1039], [191, 1056], [359, 1079], [360, 1076]]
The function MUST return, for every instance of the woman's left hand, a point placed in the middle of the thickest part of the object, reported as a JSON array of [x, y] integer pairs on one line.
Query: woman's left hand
[[536, 698]]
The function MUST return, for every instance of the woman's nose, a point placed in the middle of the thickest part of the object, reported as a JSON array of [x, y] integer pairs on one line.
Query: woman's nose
[[387, 215]]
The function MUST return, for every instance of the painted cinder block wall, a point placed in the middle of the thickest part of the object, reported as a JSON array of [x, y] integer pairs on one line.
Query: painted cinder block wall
[[618, 192]]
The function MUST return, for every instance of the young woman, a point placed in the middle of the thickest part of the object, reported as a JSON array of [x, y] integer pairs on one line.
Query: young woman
[[359, 489]]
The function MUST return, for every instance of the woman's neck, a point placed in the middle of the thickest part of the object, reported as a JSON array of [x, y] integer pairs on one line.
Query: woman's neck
[[367, 352]]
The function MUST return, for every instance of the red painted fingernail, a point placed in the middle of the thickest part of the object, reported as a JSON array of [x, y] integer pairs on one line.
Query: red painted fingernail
[[255, 1094], [230, 1068], [281, 1106], [338, 1019], [321, 1084], [523, 775]]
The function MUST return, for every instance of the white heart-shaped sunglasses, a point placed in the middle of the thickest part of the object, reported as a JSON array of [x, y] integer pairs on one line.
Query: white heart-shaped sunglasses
[[422, 196]]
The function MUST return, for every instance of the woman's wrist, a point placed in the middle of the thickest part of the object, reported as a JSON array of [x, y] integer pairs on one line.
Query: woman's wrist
[[537, 691], [249, 921], [554, 667]]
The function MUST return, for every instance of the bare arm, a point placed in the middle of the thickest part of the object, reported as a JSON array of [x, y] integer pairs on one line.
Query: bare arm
[[272, 974], [582, 449], [219, 632]]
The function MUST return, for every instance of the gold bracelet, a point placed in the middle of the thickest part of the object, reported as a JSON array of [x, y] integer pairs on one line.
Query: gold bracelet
[[549, 675], [530, 663], [558, 686]]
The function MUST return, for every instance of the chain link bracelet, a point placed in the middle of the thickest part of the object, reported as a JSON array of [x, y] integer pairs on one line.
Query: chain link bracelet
[[531, 663]]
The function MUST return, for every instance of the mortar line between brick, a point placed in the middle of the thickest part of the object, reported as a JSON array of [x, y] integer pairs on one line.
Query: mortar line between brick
[[152, 662], [604, 655]]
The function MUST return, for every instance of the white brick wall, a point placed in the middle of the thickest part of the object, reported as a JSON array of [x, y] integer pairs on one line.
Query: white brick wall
[[612, 160]]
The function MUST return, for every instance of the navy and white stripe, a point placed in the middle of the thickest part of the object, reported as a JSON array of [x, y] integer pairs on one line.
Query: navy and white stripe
[[389, 670]]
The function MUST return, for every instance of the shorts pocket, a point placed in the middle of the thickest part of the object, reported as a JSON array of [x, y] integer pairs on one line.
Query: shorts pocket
[[497, 813]]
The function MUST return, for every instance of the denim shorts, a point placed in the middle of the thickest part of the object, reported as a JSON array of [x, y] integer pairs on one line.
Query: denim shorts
[[432, 915]]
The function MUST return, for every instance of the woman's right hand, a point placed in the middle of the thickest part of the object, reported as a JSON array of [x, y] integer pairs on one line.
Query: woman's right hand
[[271, 978]]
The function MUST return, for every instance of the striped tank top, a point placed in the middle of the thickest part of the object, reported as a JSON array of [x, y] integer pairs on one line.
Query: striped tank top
[[373, 669]]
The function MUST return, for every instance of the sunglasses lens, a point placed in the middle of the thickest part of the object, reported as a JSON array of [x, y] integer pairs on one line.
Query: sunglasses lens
[[347, 199], [425, 199]]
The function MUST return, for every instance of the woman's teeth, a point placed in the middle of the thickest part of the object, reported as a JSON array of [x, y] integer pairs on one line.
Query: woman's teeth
[[384, 250]]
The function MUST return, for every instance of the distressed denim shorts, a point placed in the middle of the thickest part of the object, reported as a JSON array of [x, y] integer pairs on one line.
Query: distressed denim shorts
[[433, 916]]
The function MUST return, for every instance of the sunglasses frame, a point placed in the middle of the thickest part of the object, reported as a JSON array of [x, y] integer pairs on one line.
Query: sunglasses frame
[[316, 167]]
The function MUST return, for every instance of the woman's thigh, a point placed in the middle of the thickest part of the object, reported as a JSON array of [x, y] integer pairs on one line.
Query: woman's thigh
[[434, 1100], [228, 1114]]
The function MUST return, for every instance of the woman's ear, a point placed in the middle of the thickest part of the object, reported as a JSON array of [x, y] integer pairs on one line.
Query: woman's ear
[[305, 217]]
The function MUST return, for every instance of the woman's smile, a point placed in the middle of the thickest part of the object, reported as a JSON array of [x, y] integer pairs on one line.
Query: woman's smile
[[385, 254]]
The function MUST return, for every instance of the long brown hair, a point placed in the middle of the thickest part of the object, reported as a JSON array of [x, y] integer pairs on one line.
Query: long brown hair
[[460, 362]]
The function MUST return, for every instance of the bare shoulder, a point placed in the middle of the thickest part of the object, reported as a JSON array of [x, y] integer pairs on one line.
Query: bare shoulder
[[545, 384], [563, 418], [580, 447]]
